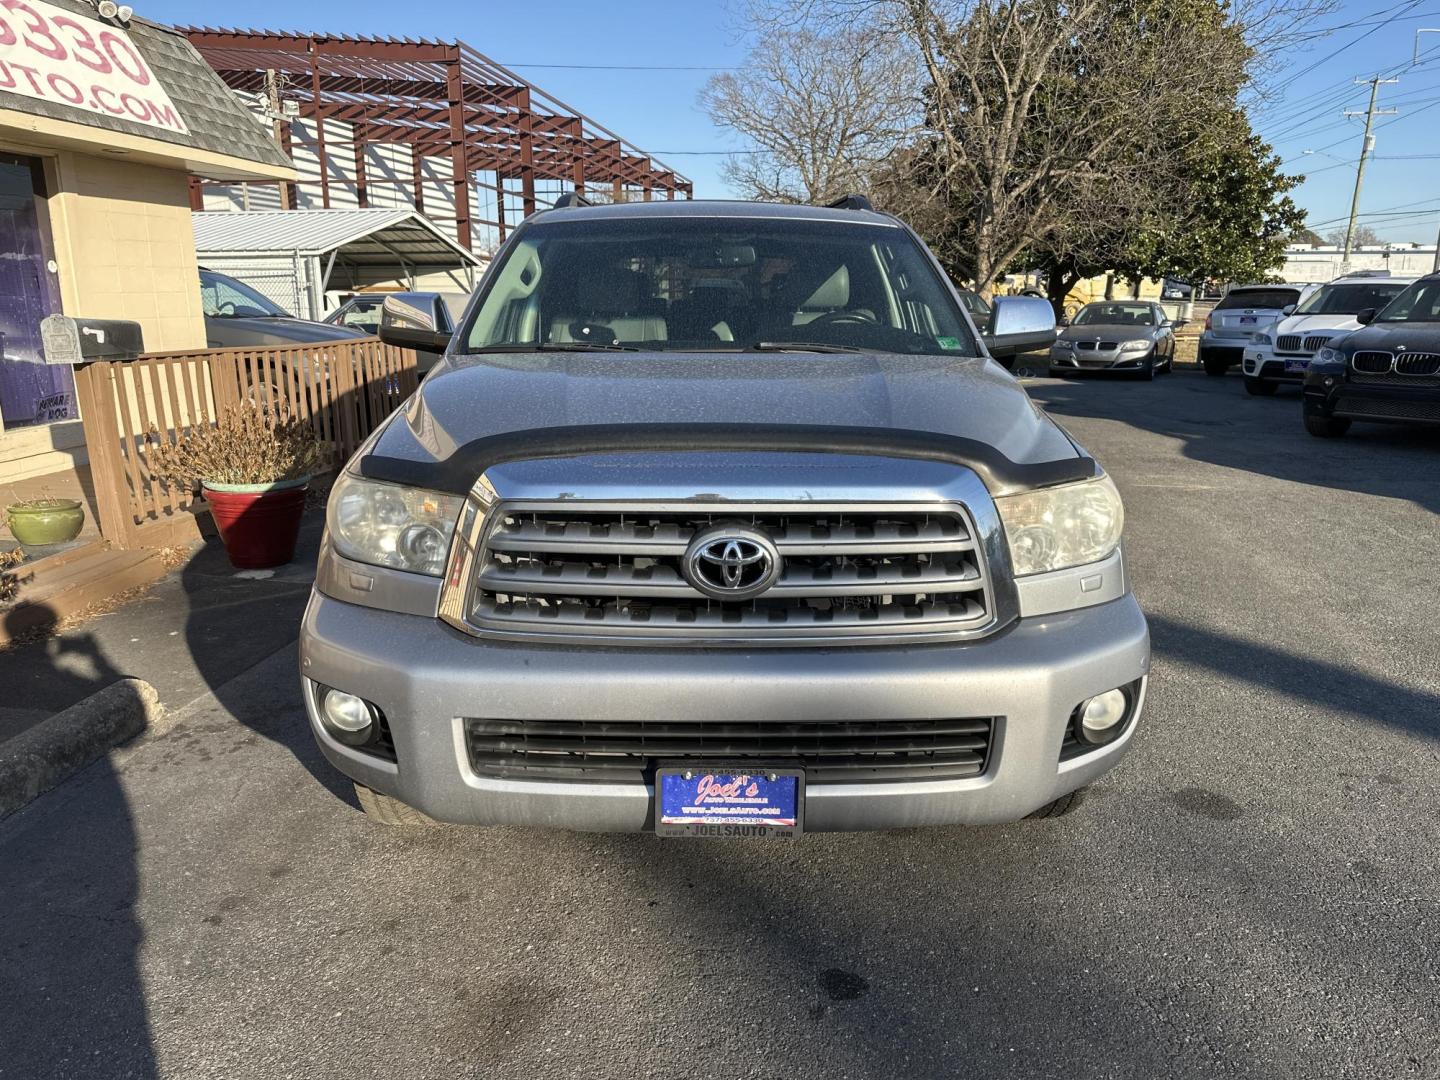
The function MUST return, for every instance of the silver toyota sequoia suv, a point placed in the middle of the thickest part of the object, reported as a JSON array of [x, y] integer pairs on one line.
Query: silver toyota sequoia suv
[[718, 519]]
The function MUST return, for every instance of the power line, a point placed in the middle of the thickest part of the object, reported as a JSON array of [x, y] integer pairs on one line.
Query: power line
[[618, 67]]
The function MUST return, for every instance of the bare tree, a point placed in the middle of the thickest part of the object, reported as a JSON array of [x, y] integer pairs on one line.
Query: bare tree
[[1365, 236], [820, 109]]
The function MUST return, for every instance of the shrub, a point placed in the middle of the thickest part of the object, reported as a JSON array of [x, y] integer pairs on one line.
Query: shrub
[[249, 446]]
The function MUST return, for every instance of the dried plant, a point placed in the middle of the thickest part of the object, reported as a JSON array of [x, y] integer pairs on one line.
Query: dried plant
[[10, 583], [249, 446]]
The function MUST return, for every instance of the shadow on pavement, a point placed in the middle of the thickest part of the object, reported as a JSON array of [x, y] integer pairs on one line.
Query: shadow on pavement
[[1260, 435], [71, 995]]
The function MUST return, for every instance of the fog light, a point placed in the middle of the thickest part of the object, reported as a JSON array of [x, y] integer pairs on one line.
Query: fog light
[[345, 712], [1101, 717]]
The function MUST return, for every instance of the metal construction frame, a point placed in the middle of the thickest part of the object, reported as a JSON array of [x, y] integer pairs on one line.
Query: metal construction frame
[[441, 99]]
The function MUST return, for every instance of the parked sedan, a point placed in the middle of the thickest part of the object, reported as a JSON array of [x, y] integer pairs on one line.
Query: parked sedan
[[1134, 336], [236, 316]]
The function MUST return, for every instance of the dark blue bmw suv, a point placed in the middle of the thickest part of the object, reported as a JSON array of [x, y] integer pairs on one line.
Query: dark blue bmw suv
[[1387, 371]]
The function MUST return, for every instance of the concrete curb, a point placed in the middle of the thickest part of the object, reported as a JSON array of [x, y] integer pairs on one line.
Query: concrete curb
[[38, 759]]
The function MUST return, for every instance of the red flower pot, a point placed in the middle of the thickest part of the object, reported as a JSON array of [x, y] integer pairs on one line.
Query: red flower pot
[[261, 525]]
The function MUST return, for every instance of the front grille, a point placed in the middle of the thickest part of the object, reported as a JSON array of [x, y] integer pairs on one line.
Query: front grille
[[829, 751], [1394, 378], [1387, 409], [1103, 346], [1417, 364], [1294, 343], [616, 573], [1371, 363]]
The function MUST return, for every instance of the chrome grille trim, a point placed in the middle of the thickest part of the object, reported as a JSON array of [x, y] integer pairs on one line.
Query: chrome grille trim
[[1406, 365], [1289, 343], [1316, 342], [608, 573]]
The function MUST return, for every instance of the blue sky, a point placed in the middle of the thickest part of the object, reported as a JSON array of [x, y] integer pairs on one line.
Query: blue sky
[[656, 108]]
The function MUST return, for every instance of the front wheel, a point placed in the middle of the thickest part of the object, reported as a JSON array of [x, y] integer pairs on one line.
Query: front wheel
[[385, 810], [1147, 371], [1060, 807], [1259, 387], [1325, 427]]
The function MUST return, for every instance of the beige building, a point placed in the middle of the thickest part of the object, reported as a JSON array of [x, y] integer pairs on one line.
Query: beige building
[[101, 127]]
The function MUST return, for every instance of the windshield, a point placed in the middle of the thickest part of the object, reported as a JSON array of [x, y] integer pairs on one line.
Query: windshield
[[718, 284], [1115, 315], [225, 298], [1258, 298], [361, 314], [1350, 298], [1419, 303]]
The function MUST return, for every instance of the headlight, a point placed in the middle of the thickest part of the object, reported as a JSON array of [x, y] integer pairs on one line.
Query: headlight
[[388, 525], [1327, 355], [1063, 345], [1262, 339], [1069, 525], [1134, 346]]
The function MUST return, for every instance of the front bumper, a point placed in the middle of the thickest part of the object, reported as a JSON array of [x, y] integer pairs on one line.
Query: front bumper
[[1328, 392], [1265, 365], [427, 677], [1097, 360]]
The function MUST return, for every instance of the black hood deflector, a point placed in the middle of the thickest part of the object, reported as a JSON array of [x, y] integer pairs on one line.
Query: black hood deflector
[[457, 473]]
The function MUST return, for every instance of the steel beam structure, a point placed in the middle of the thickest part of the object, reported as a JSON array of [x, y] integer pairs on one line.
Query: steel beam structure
[[438, 99]]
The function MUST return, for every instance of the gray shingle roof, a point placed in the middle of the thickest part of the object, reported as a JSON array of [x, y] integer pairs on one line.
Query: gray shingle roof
[[218, 122]]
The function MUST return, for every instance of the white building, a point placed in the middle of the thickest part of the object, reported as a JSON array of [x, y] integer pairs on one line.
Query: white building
[[1306, 263]]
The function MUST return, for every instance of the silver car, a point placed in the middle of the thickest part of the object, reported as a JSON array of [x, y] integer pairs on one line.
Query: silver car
[[717, 520], [1244, 314], [1132, 336]]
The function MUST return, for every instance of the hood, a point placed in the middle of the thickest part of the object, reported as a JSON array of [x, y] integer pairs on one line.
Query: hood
[[470, 397], [1311, 324], [269, 330], [1392, 337], [1108, 331]]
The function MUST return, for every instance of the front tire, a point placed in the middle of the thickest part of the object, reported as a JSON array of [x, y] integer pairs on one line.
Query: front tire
[[384, 810], [1325, 427], [1060, 807], [1147, 370], [1259, 387]]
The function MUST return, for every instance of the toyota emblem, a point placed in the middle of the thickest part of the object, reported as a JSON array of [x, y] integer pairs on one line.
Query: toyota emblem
[[731, 562]]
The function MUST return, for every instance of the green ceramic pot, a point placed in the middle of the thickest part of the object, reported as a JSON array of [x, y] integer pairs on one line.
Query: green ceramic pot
[[46, 521]]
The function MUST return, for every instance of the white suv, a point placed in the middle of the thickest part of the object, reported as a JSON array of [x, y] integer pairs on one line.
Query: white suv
[[1282, 353]]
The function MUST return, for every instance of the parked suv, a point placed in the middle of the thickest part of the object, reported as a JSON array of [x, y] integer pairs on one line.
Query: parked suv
[[1241, 314], [716, 519], [1282, 353], [1387, 371]]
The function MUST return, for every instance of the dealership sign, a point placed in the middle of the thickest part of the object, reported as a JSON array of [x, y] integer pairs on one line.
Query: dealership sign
[[53, 55]]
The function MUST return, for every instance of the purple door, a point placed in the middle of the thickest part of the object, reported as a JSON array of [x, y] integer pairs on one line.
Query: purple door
[[30, 391]]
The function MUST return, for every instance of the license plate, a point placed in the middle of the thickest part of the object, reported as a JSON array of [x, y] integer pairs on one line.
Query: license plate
[[1297, 365], [734, 803], [1247, 320]]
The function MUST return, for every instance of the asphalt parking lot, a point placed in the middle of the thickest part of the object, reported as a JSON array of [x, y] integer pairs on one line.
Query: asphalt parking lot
[[1254, 892]]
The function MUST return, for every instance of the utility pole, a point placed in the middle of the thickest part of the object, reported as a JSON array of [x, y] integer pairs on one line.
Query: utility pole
[[1366, 149], [279, 124], [1435, 269]]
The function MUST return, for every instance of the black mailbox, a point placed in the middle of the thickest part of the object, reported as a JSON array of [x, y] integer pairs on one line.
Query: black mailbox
[[74, 341]]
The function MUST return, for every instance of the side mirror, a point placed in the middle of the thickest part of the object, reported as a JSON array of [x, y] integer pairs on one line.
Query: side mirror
[[1288, 309], [1366, 317], [1019, 324], [1166, 323], [409, 337]]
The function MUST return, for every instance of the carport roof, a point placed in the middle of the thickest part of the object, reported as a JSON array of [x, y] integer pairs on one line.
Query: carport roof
[[368, 244]]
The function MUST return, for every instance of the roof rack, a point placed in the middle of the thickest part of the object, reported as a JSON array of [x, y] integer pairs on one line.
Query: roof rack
[[571, 198], [851, 202]]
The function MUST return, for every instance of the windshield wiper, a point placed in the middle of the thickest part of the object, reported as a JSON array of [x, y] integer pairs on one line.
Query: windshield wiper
[[558, 346], [803, 346]]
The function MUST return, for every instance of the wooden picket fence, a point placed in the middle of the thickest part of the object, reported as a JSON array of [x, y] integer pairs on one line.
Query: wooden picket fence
[[343, 389]]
